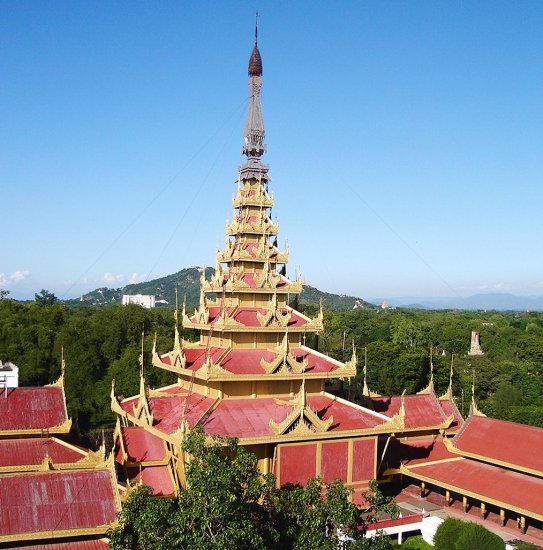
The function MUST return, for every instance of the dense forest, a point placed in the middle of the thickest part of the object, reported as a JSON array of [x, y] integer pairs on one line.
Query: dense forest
[[101, 343]]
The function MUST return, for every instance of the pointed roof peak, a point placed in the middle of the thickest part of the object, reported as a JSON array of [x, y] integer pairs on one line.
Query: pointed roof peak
[[255, 61]]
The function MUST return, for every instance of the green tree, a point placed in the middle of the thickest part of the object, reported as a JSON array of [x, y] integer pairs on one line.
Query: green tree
[[475, 537], [447, 533], [229, 504], [505, 398], [455, 534], [45, 298]]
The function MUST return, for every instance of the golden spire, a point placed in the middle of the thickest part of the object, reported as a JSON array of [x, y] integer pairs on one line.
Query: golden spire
[[142, 379], [448, 395], [429, 389], [473, 410], [365, 389]]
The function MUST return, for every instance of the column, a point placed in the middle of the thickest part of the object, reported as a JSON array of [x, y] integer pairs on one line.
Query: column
[[464, 504], [448, 497], [483, 510], [502, 517], [523, 524], [422, 488]]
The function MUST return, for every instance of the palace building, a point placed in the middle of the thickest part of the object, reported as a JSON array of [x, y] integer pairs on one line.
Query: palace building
[[252, 376]]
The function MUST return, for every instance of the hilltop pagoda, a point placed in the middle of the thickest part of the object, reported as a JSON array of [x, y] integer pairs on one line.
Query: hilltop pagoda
[[250, 375]]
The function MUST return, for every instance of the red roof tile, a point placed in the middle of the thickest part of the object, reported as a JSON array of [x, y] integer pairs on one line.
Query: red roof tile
[[513, 489], [249, 418], [32, 408], [55, 501], [168, 410], [247, 316], [421, 411], [196, 356], [449, 407], [156, 477], [247, 361], [142, 446], [26, 452], [498, 440]]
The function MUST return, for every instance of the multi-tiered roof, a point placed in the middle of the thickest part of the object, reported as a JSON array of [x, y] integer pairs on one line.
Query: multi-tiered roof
[[250, 374], [248, 330]]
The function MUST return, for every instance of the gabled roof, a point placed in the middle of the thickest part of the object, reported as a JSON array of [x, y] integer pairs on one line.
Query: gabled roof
[[30, 410], [248, 316], [450, 409], [249, 418], [16, 453], [142, 446], [503, 488], [56, 504], [170, 405], [516, 446], [159, 478], [248, 361], [421, 410]]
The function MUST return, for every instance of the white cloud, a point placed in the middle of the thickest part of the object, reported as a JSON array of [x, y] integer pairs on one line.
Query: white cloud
[[110, 279], [135, 278], [14, 278], [18, 276]]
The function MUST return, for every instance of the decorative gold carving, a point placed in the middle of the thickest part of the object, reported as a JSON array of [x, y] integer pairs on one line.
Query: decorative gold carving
[[242, 224], [302, 420], [210, 369], [275, 314], [285, 361], [250, 196], [348, 370], [429, 389]]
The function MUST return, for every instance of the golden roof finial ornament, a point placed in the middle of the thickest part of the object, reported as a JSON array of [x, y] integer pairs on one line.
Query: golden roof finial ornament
[[473, 410], [429, 389]]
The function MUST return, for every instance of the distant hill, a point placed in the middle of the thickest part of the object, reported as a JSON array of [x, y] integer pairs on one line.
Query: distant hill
[[312, 295], [491, 302], [188, 283]]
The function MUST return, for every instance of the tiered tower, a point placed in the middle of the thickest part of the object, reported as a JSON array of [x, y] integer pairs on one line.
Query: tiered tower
[[250, 375]]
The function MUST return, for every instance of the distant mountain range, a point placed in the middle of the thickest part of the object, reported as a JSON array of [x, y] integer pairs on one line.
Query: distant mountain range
[[188, 284], [494, 301]]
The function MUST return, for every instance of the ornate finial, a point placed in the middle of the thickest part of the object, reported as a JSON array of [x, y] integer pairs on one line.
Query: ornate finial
[[431, 383], [176, 312], [141, 354], [451, 374], [401, 412], [473, 410], [448, 395], [255, 62], [365, 389]]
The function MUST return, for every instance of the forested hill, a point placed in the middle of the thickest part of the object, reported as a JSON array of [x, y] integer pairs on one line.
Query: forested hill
[[187, 282]]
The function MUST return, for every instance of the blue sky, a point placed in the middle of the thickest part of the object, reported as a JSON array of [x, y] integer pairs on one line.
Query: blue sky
[[405, 141]]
